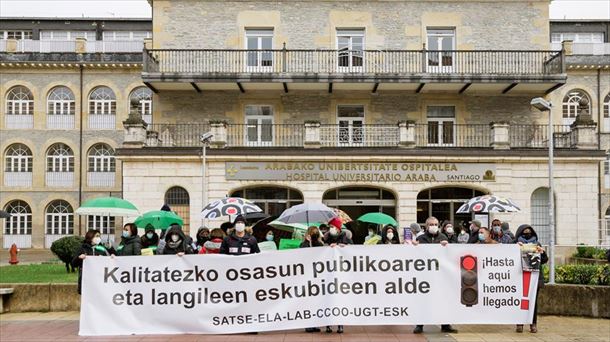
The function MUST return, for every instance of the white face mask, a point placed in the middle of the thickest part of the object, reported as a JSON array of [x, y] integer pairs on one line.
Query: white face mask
[[390, 236], [371, 233], [449, 230], [433, 229], [333, 231], [175, 238], [240, 227], [97, 240]]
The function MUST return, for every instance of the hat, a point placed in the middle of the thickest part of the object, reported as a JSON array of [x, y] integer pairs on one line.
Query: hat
[[336, 222], [239, 218], [415, 227], [476, 223]]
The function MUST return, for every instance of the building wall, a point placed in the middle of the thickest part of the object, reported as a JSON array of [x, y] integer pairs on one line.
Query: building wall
[[576, 180], [512, 24], [39, 139]]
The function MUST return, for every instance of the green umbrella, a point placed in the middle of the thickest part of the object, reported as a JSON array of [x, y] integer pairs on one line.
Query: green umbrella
[[159, 219], [108, 206], [289, 227], [378, 218]]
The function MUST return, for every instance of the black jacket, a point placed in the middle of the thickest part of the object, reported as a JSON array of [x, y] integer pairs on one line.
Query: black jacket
[[146, 242], [474, 236], [384, 237], [429, 238], [543, 257], [341, 238], [234, 245], [130, 246], [183, 245], [307, 244], [86, 249], [452, 238]]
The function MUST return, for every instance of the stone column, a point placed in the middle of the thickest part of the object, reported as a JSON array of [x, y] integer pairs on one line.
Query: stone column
[[81, 45], [219, 130], [568, 47], [312, 135], [148, 44], [11, 45], [500, 135], [135, 128], [406, 131], [583, 135]]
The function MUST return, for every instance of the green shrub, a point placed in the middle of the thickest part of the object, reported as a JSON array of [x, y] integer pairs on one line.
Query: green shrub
[[582, 274], [65, 248], [590, 253]]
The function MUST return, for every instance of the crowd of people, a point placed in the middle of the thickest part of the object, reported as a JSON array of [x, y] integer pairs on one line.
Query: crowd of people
[[239, 240]]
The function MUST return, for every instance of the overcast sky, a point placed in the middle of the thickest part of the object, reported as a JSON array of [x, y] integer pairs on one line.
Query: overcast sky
[[560, 9]]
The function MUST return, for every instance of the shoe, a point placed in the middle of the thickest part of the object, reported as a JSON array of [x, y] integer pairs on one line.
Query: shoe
[[310, 330], [418, 329], [533, 328], [519, 328], [448, 329], [340, 329], [328, 329]]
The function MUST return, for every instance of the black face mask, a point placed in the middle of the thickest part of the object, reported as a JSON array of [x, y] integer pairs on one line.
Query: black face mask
[[202, 239], [315, 237], [527, 235]]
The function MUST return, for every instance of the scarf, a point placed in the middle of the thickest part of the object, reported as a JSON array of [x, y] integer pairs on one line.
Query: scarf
[[526, 241]]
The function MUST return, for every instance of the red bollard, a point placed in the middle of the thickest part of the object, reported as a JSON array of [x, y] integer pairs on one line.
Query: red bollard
[[13, 252]]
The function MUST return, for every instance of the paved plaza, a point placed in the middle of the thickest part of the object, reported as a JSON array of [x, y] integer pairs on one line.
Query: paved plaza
[[63, 326]]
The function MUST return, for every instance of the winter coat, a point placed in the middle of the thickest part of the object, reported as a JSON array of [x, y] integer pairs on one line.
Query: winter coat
[[198, 244], [463, 238], [429, 238], [307, 244], [543, 256], [130, 246], [183, 245], [503, 239], [452, 238], [506, 231], [77, 262], [474, 237], [340, 238], [146, 242], [234, 245], [211, 246], [384, 237]]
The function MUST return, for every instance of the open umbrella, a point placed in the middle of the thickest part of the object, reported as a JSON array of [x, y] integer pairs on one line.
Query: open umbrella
[[254, 217], [307, 213], [229, 206], [488, 204], [378, 218], [342, 215], [289, 227], [159, 219], [4, 214], [108, 206]]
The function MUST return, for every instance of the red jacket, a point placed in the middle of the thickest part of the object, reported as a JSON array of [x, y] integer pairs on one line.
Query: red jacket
[[211, 246]]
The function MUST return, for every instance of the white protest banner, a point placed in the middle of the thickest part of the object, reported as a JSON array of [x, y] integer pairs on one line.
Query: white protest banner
[[353, 285]]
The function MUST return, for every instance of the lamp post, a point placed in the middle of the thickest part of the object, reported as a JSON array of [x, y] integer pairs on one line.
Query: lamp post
[[545, 106], [205, 141]]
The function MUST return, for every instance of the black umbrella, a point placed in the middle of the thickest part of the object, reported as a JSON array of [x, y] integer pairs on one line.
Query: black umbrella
[[166, 207], [252, 218], [4, 214]]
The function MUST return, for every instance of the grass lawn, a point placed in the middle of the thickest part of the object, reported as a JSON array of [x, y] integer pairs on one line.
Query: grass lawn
[[37, 273]]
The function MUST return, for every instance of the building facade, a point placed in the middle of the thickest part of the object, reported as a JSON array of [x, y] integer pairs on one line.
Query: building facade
[[63, 104]]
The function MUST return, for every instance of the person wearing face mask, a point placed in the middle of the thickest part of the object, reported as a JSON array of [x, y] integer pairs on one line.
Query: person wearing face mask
[[92, 245], [497, 233], [449, 232], [506, 231], [212, 246], [389, 236], [176, 242], [485, 237], [203, 236], [269, 236], [475, 225], [433, 235], [464, 234], [150, 239], [239, 242], [335, 235], [313, 238], [130, 241], [527, 235], [372, 238]]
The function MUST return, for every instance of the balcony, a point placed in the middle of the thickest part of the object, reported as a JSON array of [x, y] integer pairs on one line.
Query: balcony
[[431, 135], [374, 70], [586, 48], [49, 46]]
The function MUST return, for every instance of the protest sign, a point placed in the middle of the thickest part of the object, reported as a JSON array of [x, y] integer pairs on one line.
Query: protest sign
[[353, 285]]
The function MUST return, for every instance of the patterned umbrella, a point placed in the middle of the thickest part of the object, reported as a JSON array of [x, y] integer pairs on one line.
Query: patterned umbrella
[[229, 206], [342, 215], [488, 204]]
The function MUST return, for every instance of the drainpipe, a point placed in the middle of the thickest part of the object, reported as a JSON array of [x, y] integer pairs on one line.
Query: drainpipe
[[80, 150]]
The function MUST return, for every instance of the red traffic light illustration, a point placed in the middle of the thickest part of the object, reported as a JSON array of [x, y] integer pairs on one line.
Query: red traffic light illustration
[[469, 280]]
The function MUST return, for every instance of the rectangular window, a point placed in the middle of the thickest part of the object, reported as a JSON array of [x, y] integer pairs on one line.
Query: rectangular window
[[259, 125], [66, 35], [350, 46], [126, 35], [607, 171], [105, 224], [16, 34], [578, 37], [440, 44], [441, 125], [350, 119], [259, 42]]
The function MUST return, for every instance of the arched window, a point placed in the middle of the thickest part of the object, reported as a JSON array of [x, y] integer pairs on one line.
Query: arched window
[[60, 158], [143, 96], [273, 200], [540, 214], [607, 113], [101, 158], [102, 101], [19, 101], [18, 158], [20, 222], [60, 101], [177, 198], [573, 103], [59, 218]]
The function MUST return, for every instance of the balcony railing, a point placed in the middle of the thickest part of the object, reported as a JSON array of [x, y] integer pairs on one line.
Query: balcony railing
[[59, 179], [93, 46], [100, 179], [586, 48], [434, 134], [353, 61]]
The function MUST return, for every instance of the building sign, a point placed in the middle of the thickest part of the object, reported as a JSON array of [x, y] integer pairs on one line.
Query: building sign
[[361, 172]]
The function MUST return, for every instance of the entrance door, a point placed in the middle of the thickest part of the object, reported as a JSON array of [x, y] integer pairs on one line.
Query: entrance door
[[350, 46], [441, 53], [442, 203], [351, 125], [259, 44]]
